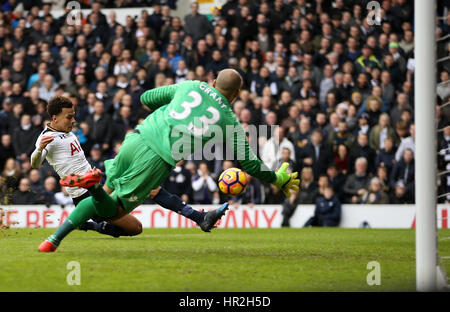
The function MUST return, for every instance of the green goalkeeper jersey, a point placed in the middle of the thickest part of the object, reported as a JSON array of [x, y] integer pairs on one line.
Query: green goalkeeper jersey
[[190, 114]]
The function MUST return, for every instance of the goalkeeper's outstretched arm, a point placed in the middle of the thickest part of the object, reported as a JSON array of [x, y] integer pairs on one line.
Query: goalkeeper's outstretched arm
[[158, 97], [255, 167]]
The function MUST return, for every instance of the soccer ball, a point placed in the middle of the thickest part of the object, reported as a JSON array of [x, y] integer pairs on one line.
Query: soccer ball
[[233, 181]]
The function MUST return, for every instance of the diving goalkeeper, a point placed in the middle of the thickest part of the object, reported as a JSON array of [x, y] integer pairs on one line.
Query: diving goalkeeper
[[183, 117]]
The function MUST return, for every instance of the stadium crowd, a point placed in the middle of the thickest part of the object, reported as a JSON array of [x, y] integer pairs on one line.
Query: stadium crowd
[[340, 89]]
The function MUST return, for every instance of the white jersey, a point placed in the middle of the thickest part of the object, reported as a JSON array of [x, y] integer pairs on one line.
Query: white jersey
[[66, 156]]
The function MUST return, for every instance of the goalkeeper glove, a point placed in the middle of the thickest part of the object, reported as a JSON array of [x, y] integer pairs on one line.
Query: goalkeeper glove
[[286, 181]]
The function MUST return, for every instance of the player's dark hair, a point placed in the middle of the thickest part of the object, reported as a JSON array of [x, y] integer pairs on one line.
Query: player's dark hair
[[56, 105]]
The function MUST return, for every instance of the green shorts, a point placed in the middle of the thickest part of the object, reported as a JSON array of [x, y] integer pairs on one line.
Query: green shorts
[[135, 172]]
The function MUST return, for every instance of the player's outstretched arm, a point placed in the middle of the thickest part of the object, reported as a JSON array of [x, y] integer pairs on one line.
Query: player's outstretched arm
[[251, 164], [286, 182], [39, 154], [158, 97]]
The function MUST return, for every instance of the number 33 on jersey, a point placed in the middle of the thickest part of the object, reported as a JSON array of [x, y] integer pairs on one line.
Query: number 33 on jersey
[[187, 110]]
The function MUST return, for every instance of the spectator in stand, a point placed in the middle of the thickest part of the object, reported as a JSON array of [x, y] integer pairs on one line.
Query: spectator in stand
[[363, 124], [203, 185], [366, 61], [274, 196], [24, 138], [395, 71], [332, 127], [272, 150], [336, 179], [328, 210], [403, 170], [308, 188], [316, 154], [362, 149], [406, 143], [342, 159], [386, 156], [101, 126], [363, 86], [286, 157], [96, 159], [291, 82], [301, 136], [400, 195], [326, 83], [178, 183], [444, 162], [322, 182], [383, 175], [376, 194], [261, 80], [35, 181], [357, 184], [217, 63], [47, 196], [372, 107], [380, 132], [341, 136], [63, 198], [402, 102], [196, 24], [23, 195], [442, 89], [11, 175], [48, 88], [6, 150]]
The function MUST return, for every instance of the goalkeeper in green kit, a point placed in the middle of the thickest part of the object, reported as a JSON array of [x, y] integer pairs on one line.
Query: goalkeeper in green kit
[[185, 116]]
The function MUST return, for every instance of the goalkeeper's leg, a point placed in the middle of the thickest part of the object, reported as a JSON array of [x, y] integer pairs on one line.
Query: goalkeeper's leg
[[176, 204], [205, 220]]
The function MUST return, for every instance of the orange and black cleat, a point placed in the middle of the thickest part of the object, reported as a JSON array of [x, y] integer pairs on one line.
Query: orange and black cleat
[[47, 246], [90, 178]]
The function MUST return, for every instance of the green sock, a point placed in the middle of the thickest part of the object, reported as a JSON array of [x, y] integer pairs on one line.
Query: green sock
[[84, 211], [105, 205]]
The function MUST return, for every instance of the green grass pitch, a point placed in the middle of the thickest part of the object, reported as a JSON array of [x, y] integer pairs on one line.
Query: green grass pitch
[[287, 259]]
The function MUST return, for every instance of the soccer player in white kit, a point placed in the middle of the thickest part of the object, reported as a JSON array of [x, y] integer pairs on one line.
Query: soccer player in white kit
[[63, 152]]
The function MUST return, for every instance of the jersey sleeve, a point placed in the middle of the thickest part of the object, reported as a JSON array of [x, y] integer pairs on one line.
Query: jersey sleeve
[[50, 146], [38, 141], [37, 157], [244, 154], [158, 97]]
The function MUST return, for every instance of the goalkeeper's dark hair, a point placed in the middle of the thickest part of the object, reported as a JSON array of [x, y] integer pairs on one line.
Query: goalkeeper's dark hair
[[56, 105]]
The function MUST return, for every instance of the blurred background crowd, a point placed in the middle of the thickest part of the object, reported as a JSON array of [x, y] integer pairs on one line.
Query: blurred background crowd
[[339, 85]]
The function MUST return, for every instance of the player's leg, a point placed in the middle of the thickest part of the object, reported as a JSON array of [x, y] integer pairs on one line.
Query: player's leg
[[103, 205], [133, 173], [176, 204], [123, 224], [84, 211], [205, 220], [128, 225], [100, 203], [130, 153]]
